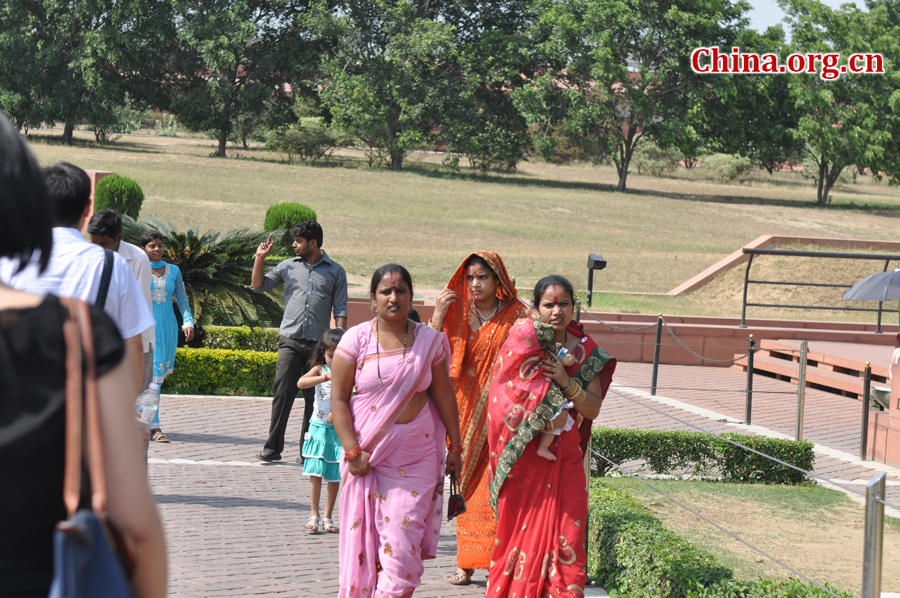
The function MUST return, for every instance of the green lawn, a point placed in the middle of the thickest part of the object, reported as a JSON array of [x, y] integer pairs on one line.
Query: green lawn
[[542, 219]]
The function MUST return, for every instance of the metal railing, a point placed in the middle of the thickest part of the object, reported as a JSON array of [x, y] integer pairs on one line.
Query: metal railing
[[819, 254]]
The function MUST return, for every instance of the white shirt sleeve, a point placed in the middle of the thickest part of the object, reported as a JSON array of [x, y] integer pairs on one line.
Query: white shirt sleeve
[[125, 302]]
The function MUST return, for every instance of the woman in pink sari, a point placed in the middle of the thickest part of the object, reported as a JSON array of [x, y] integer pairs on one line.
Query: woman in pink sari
[[394, 410]]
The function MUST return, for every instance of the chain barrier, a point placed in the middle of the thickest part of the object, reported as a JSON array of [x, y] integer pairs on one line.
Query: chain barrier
[[716, 525], [739, 445], [685, 347], [618, 327], [695, 354], [742, 390]]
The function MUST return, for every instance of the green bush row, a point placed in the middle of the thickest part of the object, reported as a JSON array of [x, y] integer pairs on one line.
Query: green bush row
[[763, 588], [240, 338], [631, 553], [701, 455], [221, 372]]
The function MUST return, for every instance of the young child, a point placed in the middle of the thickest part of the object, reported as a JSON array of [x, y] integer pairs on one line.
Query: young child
[[547, 437], [321, 446]]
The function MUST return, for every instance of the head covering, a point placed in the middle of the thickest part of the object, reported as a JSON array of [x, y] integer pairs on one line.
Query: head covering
[[456, 322]]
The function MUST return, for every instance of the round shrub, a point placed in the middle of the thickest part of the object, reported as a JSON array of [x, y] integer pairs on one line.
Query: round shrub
[[286, 215], [119, 193]]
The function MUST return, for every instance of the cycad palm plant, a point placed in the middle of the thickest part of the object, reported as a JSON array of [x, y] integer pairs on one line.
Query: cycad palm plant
[[216, 269]]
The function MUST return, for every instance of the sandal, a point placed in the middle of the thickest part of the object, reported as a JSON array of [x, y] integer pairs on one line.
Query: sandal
[[157, 436], [463, 578], [312, 525], [329, 526]]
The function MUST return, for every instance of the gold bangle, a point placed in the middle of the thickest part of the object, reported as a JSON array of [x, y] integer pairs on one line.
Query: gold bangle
[[569, 387], [579, 397], [352, 453], [573, 389], [431, 325]]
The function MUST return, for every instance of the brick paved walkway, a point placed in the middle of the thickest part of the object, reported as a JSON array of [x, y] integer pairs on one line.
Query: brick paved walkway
[[234, 524]]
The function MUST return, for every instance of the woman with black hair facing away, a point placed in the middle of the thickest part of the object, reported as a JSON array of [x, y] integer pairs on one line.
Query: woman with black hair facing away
[[167, 284], [541, 503], [33, 408], [321, 445], [394, 411]]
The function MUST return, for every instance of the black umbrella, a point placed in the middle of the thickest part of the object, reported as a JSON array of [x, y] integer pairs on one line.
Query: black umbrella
[[881, 286]]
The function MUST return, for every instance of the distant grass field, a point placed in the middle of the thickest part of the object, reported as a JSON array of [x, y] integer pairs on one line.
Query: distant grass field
[[542, 219]]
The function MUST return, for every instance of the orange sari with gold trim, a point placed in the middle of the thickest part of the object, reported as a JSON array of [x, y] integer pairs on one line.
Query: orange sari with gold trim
[[472, 358]]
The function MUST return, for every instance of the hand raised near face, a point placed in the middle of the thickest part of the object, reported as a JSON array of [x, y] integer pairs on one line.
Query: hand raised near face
[[442, 302], [265, 248]]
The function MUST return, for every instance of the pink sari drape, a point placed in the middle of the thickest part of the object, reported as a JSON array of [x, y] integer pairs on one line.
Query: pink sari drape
[[391, 517]]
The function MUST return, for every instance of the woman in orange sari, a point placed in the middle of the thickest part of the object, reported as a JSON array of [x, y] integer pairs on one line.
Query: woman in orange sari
[[541, 504], [476, 310]]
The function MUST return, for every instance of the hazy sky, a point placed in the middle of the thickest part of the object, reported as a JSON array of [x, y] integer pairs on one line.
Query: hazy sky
[[766, 13]]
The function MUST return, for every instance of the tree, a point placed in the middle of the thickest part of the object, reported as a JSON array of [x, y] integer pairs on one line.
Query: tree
[[841, 120], [883, 21], [618, 72], [234, 60], [73, 61], [216, 269], [753, 115], [481, 121], [393, 68]]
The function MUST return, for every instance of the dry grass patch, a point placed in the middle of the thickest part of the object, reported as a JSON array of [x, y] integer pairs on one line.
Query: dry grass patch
[[542, 219], [816, 531]]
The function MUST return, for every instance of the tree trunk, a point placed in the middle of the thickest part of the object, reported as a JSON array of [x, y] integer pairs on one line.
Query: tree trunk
[[821, 194], [623, 175], [830, 180], [223, 140], [396, 161], [67, 132], [625, 154]]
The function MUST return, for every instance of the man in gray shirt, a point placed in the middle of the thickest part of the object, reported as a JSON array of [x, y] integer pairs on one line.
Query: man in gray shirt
[[315, 288]]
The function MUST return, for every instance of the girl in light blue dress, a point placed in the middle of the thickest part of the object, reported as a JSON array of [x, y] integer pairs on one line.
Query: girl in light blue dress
[[321, 447], [165, 284]]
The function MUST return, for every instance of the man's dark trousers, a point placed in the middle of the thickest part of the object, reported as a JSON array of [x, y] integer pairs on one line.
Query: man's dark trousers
[[292, 362]]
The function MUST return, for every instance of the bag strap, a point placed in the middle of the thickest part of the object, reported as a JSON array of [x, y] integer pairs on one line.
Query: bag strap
[[82, 406], [108, 259]]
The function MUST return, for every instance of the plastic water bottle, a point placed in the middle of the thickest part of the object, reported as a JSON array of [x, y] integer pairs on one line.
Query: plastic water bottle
[[146, 405]]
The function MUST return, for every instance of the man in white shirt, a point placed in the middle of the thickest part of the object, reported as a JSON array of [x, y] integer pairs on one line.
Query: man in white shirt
[[105, 230], [76, 266]]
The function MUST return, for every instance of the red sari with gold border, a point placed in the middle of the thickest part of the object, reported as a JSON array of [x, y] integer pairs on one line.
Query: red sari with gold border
[[472, 359], [541, 505]]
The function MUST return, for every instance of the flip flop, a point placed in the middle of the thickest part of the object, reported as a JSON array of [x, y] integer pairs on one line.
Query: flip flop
[[157, 436]]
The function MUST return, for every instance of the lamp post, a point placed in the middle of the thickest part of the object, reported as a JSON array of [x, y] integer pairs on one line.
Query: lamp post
[[595, 262]]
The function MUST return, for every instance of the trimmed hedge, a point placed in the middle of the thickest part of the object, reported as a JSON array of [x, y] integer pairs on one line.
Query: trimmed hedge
[[241, 338], [222, 372], [699, 454], [286, 215], [631, 553], [763, 588], [119, 193]]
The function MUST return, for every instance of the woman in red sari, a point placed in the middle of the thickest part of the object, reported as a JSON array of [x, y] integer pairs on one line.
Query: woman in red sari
[[541, 504], [476, 310]]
